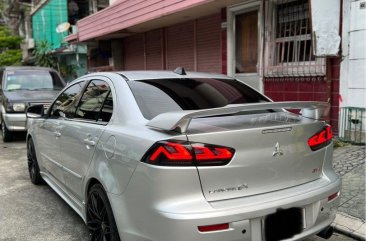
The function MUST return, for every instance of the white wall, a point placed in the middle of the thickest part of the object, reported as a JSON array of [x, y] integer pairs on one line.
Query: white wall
[[353, 66]]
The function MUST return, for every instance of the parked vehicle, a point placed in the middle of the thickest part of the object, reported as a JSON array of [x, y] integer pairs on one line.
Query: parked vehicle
[[158, 155], [21, 87]]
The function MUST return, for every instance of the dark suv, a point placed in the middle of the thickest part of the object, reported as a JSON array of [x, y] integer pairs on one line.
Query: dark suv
[[21, 87]]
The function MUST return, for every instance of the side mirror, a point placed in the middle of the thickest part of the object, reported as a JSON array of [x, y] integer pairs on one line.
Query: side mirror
[[35, 111]]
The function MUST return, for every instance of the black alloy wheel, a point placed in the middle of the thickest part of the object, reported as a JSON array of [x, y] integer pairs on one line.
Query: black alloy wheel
[[100, 219], [33, 167], [7, 136]]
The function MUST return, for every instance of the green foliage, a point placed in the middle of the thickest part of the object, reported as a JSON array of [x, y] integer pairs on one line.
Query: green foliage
[[43, 55], [10, 53], [338, 143], [67, 71], [10, 57]]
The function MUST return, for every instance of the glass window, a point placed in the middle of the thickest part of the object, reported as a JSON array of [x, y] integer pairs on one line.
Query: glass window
[[159, 96], [93, 101], [107, 110], [65, 104], [32, 80], [288, 41]]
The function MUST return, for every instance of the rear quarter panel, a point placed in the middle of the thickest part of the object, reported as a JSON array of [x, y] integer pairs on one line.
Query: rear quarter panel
[[119, 151]]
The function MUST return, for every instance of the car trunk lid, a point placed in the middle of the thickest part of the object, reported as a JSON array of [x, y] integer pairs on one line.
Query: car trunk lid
[[271, 153]]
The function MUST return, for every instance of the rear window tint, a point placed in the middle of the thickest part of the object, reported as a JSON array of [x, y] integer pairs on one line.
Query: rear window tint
[[159, 96]]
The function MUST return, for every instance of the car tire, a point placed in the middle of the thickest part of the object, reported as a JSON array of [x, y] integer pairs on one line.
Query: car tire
[[100, 220], [6, 134], [33, 167]]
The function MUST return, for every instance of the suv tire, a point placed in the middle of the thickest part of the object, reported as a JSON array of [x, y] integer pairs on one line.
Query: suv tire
[[6, 134]]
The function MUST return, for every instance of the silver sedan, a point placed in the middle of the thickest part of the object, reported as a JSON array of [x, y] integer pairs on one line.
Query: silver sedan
[[177, 156]]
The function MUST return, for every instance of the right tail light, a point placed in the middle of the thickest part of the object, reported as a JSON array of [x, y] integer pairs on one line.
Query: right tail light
[[321, 138]]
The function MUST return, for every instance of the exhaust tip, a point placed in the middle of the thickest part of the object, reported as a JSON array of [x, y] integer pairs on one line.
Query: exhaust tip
[[326, 233]]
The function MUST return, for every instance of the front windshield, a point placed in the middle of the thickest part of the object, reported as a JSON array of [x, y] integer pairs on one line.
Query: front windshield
[[32, 80]]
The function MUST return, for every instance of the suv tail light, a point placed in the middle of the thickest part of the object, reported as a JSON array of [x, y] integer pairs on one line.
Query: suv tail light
[[178, 153], [321, 139]]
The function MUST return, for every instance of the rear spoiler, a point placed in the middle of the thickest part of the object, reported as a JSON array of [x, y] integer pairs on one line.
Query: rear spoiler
[[180, 120]]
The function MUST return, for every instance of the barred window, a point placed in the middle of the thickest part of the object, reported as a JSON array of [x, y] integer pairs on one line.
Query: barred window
[[289, 48], [293, 33]]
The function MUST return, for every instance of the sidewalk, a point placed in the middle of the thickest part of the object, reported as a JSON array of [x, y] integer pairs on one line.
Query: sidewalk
[[349, 162]]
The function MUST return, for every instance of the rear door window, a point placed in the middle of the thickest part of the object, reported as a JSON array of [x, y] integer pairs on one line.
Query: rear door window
[[96, 102], [163, 95]]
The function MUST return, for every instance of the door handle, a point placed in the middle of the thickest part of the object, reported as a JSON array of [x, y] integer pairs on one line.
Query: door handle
[[89, 142]]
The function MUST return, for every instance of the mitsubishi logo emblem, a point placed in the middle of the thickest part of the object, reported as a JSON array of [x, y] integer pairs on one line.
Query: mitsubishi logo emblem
[[277, 151]]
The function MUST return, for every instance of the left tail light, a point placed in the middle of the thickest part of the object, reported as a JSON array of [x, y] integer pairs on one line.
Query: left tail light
[[321, 138], [178, 153]]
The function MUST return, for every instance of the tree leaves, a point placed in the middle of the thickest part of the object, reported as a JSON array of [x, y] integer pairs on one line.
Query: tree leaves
[[10, 53]]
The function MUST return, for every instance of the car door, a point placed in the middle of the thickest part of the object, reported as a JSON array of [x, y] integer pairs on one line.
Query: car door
[[50, 130], [81, 133]]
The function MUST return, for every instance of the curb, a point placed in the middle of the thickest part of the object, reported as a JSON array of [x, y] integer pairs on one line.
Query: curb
[[350, 226]]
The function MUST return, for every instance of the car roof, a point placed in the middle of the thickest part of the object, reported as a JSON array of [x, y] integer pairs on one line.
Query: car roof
[[145, 75], [25, 68]]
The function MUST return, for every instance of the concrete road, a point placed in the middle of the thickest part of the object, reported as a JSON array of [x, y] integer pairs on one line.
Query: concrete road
[[36, 213]]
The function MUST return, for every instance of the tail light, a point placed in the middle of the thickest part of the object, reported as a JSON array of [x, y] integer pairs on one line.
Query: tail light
[[321, 139], [177, 153]]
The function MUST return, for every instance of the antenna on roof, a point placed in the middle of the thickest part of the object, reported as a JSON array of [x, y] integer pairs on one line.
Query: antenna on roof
[[180, 71]]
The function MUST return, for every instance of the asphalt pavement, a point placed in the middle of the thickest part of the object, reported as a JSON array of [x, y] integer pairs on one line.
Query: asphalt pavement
[[37, 213]]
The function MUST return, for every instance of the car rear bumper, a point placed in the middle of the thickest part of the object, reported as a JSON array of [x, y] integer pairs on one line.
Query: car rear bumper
[[15, 121], [245, 216]]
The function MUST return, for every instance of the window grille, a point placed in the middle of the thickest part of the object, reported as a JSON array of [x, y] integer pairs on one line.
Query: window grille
[[288, 40]]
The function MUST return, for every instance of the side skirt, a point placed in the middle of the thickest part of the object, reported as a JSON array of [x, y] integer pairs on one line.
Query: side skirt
[[73, 202]]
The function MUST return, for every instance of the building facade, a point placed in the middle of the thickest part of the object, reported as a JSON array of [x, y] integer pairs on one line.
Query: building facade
[[353, 72], [52, 21], [289, 50]]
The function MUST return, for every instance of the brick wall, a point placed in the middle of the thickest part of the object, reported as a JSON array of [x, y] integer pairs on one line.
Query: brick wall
[[334, 73], [309, 89]]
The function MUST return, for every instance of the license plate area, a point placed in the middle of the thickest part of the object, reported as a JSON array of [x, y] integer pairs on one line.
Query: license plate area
[[283, 224]]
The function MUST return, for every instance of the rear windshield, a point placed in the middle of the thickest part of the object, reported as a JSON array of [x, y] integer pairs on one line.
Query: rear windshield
[[32, 80], [159, 96]]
